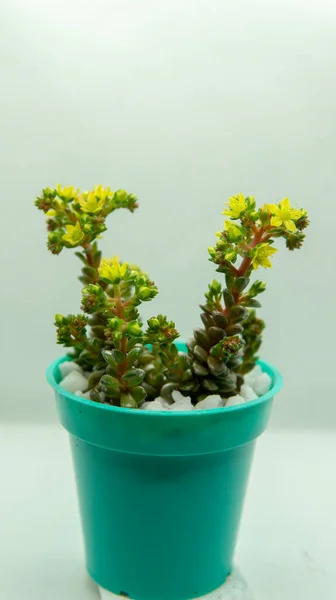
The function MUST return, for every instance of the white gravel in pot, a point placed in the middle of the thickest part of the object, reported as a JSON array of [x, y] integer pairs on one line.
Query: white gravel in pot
[[86, 395], [68, 366], [153, 405], [256, 384], [74, 382], [213, 401], [234, 401], [247, 392], [262, 384]]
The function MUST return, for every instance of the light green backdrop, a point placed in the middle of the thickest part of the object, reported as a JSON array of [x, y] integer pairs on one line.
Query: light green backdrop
[[184, 104]]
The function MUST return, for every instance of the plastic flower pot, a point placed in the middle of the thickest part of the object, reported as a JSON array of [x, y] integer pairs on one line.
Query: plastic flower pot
[[161, 494]]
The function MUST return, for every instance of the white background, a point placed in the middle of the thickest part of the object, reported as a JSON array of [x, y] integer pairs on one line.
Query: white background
[[185, 104]]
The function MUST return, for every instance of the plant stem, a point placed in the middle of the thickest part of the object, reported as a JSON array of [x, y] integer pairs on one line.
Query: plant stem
[[90, 260], [246, 263], [120, 312], [258, 238], [89, 255], [70, 216]]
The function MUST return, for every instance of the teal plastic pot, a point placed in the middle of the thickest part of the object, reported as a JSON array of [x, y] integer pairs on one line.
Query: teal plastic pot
[[161, 494]]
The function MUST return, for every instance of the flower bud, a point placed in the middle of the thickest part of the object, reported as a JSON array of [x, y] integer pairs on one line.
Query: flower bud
[[145, 293], [231, 254], [134, 328], [234, 233], [215, 287], [153, 323]]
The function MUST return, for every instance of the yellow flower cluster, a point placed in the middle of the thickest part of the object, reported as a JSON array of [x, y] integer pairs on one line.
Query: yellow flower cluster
[[90, 202], [78, 218], [283, 214], [111, 270]]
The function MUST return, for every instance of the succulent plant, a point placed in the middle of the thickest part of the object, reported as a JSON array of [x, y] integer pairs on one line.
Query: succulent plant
[[225, 349], [127, 363]]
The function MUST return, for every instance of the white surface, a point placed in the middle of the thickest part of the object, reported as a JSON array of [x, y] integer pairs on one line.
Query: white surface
[[183, 103], [287, 544], [235, 588]]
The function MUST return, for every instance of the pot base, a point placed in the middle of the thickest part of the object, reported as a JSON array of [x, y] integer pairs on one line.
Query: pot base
[[234, 588]]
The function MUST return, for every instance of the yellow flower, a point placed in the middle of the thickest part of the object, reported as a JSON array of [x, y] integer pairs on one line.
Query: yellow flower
[[66, 193], [237, 205], [261, 255], [74, 235], [93, 202], [111, 270], [101, 192], [90, 203], [284, 214]]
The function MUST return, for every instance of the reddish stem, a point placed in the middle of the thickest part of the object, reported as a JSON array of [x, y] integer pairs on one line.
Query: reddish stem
[[70, 216], [89, 255], [246, 263], [258, 238], [90, 261]]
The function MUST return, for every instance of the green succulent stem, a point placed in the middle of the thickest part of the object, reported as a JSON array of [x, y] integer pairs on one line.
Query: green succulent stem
[[120, 312]]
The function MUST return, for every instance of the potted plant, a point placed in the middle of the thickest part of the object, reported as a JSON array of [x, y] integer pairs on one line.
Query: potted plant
[[162, 433]]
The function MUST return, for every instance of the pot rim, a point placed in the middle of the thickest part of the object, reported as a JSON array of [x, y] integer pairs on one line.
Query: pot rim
[[267, 367]]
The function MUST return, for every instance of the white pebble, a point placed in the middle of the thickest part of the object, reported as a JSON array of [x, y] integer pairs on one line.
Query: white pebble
[[262, 384], [252, 375], [247, 392], [74, 382], [163, 402], [213, 401], [181, 405], [67, 367], [154, 405], [234, 401], [178, 397], [86, 395], [144, 405]]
